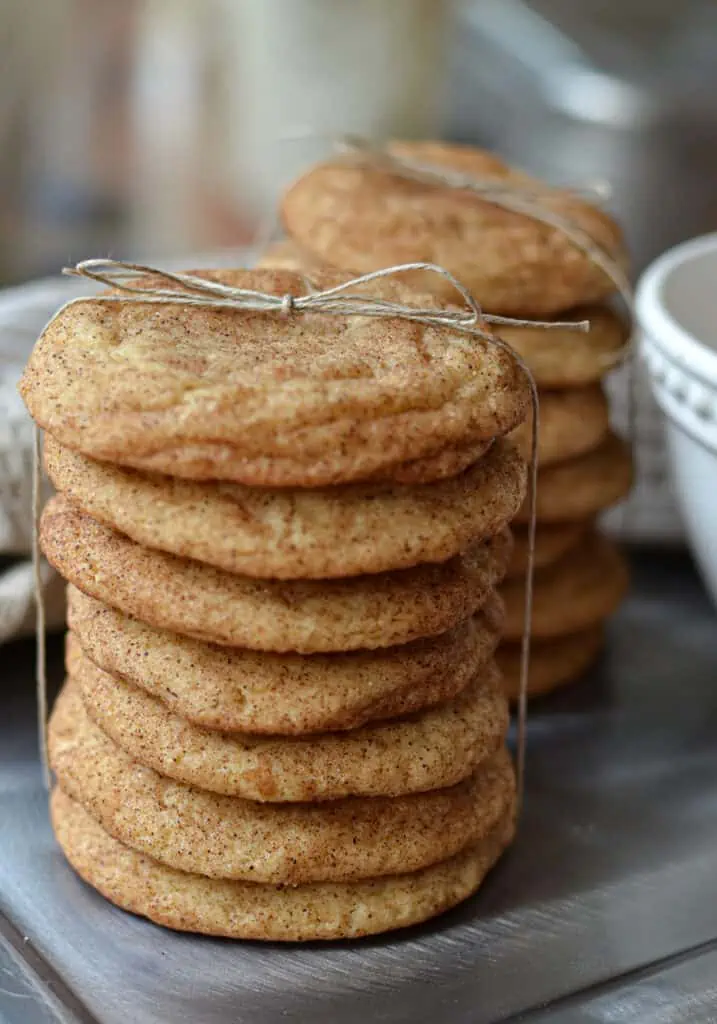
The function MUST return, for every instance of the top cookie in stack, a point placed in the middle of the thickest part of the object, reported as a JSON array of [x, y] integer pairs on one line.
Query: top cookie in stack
[[283, 534], [306, 401], [358, 212]]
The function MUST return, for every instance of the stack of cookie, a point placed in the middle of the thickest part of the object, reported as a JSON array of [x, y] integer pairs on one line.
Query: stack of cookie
[[359, 213], [282, 717], [580, 576]]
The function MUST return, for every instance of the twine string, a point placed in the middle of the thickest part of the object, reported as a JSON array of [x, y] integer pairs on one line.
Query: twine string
[[336, 301], [525, 639], [40, 629]]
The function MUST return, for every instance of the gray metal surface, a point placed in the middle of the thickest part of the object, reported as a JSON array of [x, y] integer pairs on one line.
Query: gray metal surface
[[681, 991], [605, 909]]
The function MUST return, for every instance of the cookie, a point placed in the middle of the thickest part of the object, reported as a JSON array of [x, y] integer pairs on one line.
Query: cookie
[[572, 422], [430, 750], [582, 487], [360, 215], [238, 690], [307, 616], [569, 358], [227, 837], [553, 662], [246, 910], [297, 534], [577, 592], [265, 399], [552, 541]]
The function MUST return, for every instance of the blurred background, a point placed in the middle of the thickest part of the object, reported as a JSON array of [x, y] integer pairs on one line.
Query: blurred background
[[159, 127]]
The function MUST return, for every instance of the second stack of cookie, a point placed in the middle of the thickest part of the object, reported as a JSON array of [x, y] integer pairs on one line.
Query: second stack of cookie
[[361, 211], [282, 717]]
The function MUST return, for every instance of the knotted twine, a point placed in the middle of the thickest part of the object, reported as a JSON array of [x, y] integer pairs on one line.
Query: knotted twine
[[468, 323]]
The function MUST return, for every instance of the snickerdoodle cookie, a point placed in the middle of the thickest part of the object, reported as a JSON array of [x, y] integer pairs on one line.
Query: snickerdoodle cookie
[[307, 616], [565, 357], [577, 592], [552, 541], [238, 690], [572, 422], [429, 750], [247, 910], [359, 214], [297, 533], [580, 488], [553, 662], [265, 399]]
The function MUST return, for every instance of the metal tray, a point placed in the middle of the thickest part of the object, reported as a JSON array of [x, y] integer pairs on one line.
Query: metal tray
[[604, 910]]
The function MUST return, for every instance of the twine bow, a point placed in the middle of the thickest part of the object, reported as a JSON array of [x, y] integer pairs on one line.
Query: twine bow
[[339, 300]]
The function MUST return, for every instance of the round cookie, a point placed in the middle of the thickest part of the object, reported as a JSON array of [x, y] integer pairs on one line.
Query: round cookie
[[227, 837], [237, 690], [553, 662], [246, 910], [264, 399], [572, 422], [307, 616], [297, 534], [582, 487], [577, 592], [431, 750], [569, 358], [552, 541], [358, 214]]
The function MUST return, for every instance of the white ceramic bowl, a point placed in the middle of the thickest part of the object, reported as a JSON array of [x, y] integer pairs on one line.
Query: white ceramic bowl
[[677, 316]]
